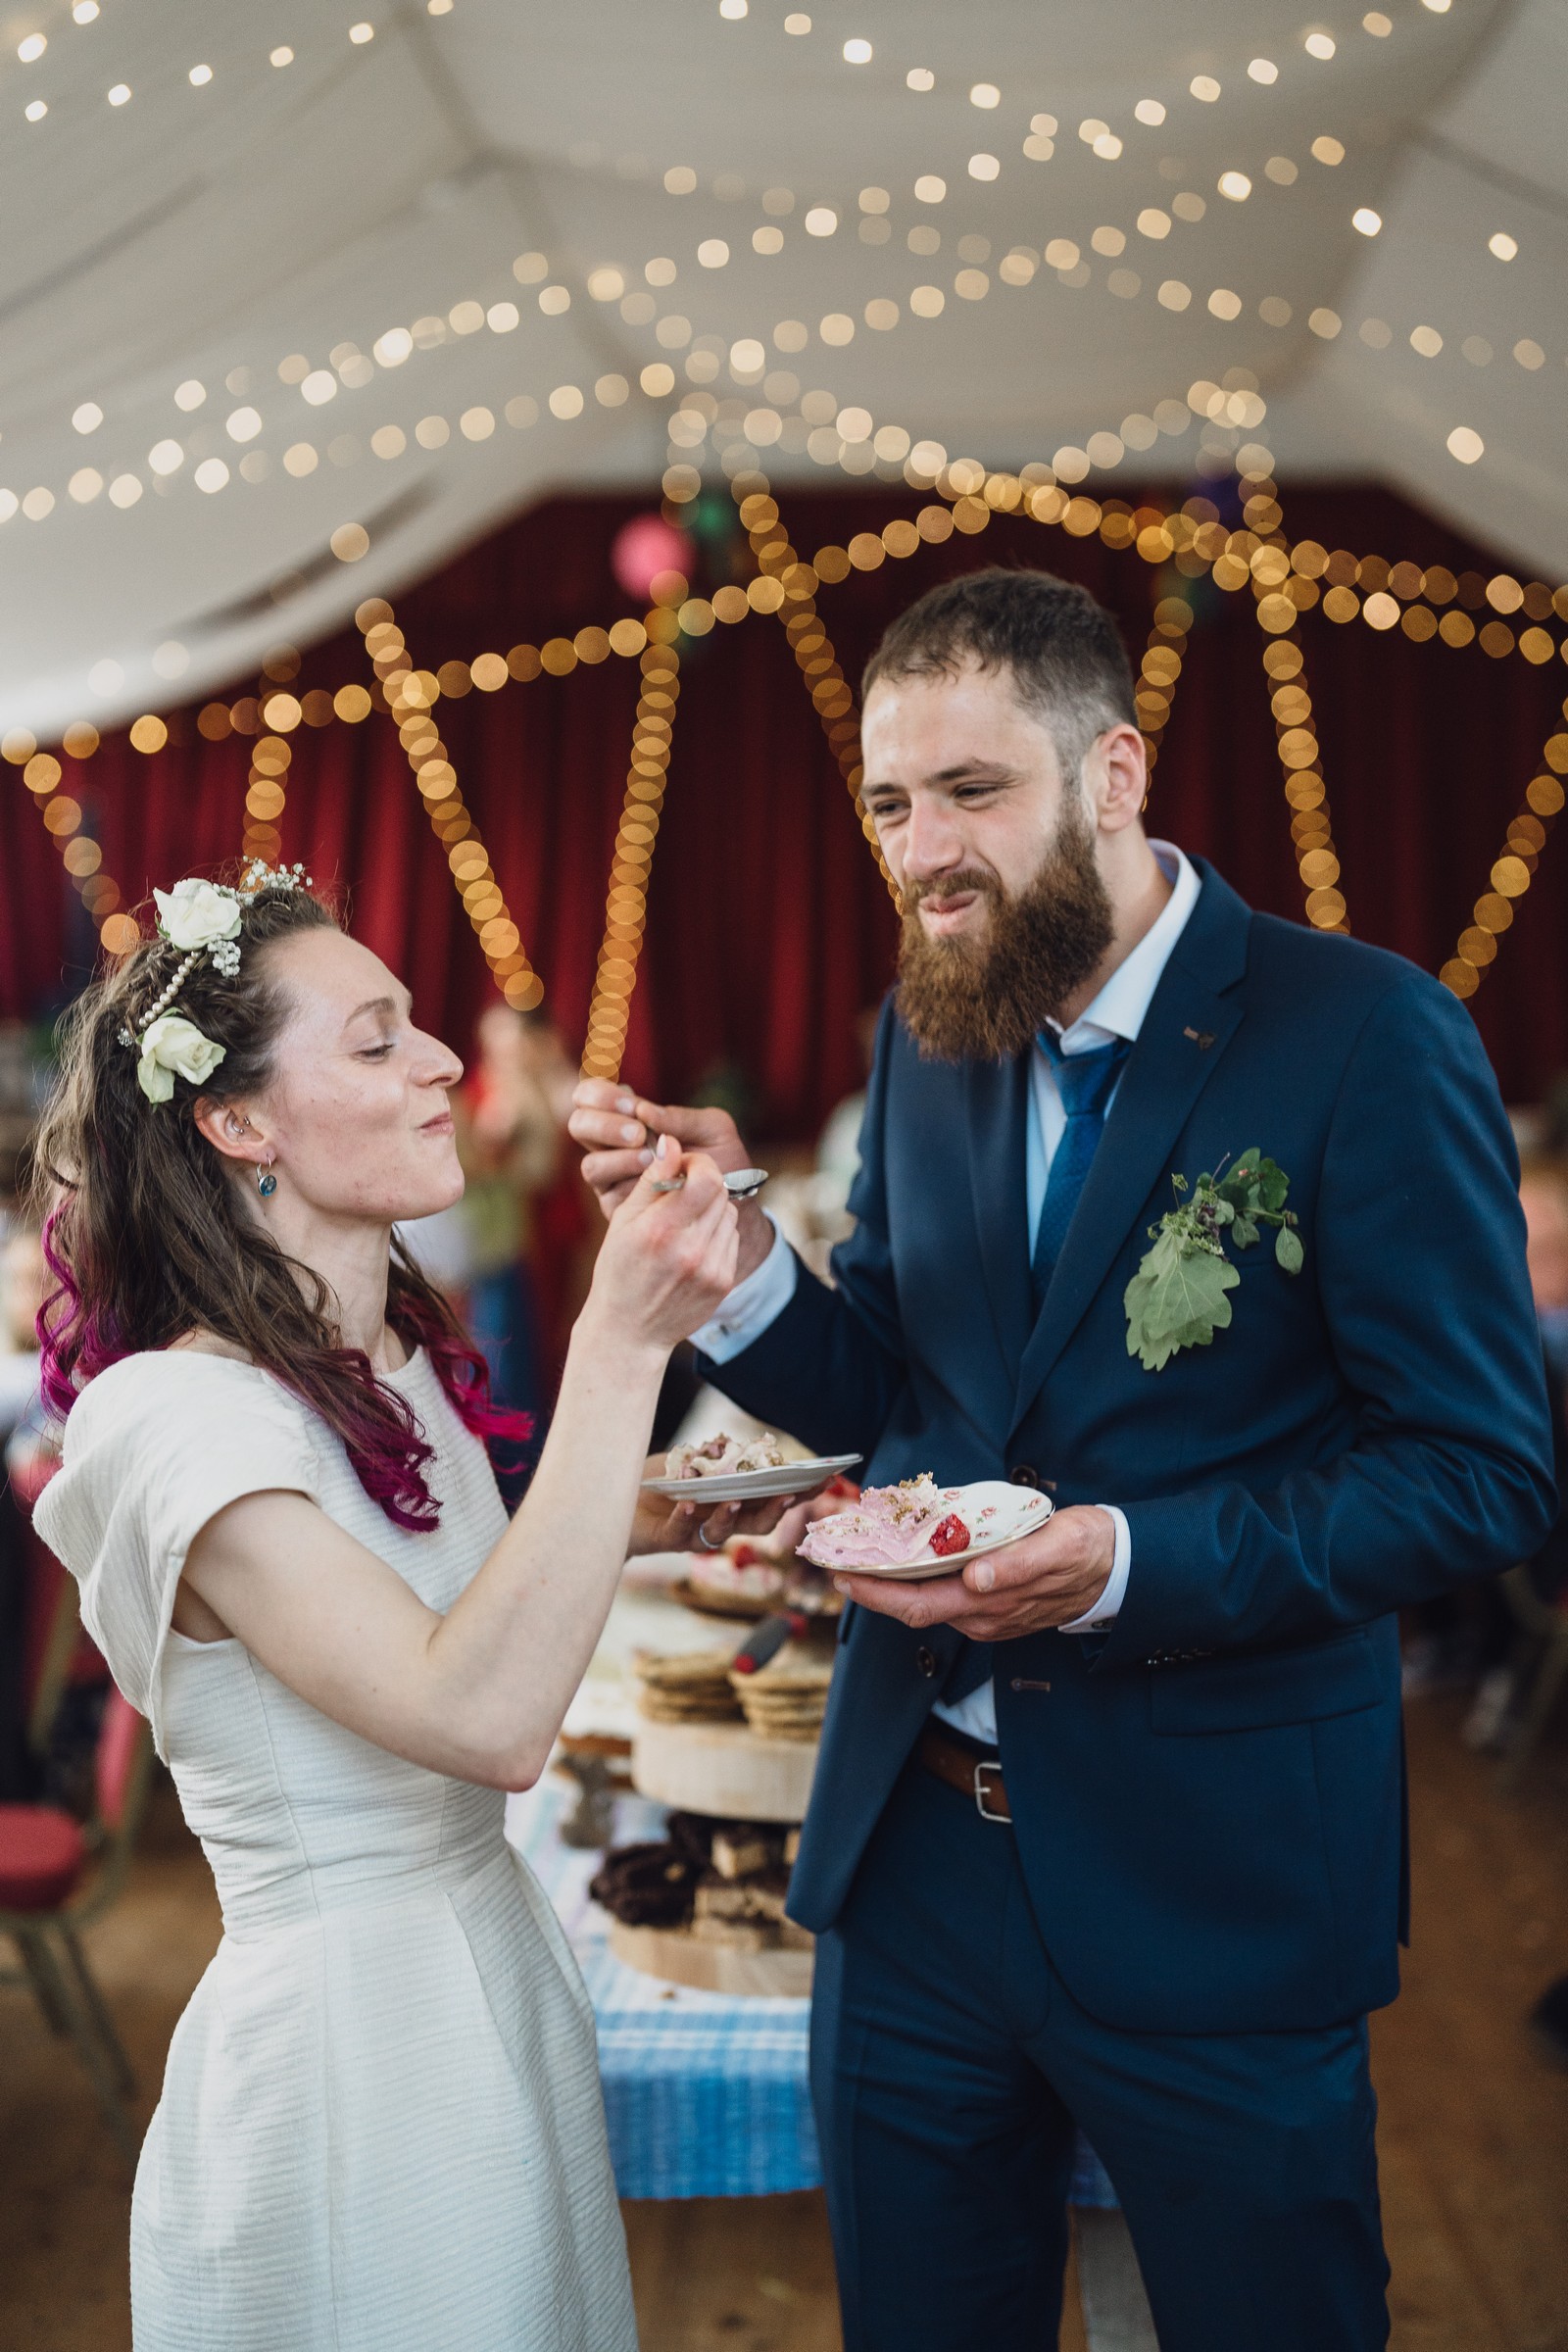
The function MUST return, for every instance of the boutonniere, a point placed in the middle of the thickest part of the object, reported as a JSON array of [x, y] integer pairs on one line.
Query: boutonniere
[[1177, 1299]]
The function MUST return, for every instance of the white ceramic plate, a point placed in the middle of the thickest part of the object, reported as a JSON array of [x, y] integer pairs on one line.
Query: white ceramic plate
[[1003, 1511], [754, 1486]]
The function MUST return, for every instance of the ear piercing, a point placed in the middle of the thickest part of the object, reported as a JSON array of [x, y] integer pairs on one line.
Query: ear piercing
[[266, 1182]]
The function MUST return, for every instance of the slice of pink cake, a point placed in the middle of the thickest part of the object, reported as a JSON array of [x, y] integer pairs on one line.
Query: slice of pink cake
[[889, 1526]]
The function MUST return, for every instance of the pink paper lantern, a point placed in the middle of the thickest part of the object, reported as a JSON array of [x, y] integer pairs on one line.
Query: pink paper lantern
[[644, 548]]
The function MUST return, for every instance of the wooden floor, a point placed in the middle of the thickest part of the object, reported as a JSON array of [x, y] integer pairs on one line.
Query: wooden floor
[[1474, 2130]]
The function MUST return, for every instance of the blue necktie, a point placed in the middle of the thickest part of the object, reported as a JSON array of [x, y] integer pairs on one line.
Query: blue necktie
[[1084, 1082]]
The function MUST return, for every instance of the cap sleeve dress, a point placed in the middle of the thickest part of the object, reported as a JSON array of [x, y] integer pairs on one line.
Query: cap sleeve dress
[[380, 2128]]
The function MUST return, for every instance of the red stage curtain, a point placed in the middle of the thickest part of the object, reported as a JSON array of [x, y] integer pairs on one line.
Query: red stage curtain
[[768, 924]]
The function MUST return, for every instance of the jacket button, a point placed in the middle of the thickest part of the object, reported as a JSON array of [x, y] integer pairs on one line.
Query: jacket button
[[1025, 1473], [926, 1660]]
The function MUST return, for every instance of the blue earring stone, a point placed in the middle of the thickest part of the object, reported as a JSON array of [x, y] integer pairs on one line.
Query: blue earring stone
[[266, 1184]]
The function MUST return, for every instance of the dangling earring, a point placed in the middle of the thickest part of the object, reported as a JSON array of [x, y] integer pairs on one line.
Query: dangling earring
[[266, 1182]]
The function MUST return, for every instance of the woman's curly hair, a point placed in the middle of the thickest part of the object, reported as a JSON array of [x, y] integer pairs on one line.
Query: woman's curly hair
[[148, 1238]]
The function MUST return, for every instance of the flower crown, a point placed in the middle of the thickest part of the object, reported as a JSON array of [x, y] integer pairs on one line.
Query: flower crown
[[201, 920]]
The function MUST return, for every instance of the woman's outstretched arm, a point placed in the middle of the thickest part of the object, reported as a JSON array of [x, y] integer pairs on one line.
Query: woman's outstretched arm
[[480, 1692]]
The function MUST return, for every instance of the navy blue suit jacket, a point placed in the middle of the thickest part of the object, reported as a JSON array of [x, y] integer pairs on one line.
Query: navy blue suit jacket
[[1209, 1798]]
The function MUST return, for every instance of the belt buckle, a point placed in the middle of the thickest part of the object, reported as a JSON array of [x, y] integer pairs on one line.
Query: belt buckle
[[985, 1765]]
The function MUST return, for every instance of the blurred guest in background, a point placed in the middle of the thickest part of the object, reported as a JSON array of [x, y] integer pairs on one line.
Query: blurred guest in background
[[1543, 1194], [21, 1289], [1544, 1197], [53, 1763], [566, 1239], [510, 1142], [838, 1147], [515, 1256], [1543, 1191], [554, 1070]]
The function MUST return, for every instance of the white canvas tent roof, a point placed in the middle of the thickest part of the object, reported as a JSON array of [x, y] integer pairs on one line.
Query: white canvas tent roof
[[495, 178]]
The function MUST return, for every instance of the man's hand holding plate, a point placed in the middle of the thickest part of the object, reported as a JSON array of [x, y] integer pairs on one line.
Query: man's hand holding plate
[[1042, 1581]]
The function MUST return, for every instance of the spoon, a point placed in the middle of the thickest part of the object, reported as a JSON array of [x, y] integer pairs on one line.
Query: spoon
[[741, 1184]]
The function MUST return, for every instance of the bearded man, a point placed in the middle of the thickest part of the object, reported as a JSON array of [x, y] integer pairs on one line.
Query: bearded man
[[1108, 1827]]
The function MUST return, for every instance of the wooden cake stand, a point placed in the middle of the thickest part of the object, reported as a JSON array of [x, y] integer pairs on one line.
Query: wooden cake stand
[[725, 1771]]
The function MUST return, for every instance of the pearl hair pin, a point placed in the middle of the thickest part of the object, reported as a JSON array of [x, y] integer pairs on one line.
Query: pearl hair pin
[[202, 918]]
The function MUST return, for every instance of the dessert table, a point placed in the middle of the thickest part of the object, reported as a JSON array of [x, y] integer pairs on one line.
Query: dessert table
[[706, 2094]]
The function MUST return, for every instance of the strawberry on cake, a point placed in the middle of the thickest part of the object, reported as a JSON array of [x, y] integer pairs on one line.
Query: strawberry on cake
[[890, 1527]]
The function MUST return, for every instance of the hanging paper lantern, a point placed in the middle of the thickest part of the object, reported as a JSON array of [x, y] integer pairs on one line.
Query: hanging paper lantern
[[647, 546]]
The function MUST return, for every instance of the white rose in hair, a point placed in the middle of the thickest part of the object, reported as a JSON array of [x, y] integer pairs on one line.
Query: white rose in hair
[[194, 914], [173, 1047]]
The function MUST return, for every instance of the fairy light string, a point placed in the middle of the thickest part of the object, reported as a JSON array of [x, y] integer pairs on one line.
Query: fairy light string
[[1512, 872], [60, 808], [1285, 580], [408, 695], [267, 785], [609, 283], [1389, 595], [1296, 741], [1016, 269], [642, 799], [1281, 596], [780, 570], [265, 794], [1159, 671]]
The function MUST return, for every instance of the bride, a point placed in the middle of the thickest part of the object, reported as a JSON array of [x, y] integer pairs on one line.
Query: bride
[[380, 2128]]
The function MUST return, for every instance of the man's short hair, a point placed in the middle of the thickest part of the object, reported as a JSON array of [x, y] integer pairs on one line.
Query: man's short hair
[[1063, 650]]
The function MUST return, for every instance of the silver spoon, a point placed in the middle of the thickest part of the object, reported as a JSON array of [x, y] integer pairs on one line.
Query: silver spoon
[[741, 1184]]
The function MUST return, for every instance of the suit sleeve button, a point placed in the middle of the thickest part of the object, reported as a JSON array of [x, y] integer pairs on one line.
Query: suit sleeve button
[[926, 1660], [1023, 1474]]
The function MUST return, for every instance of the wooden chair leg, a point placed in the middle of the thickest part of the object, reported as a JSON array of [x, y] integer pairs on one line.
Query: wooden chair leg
[[105, 2064], [98, 2010], [45, 1988], [112, 2103], [1550, 1674]]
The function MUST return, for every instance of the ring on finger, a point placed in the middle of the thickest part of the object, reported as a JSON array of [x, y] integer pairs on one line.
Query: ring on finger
[[666, 1184], [702, 1539]]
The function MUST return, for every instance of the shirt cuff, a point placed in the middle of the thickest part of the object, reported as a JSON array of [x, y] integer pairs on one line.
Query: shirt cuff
[[1106, 1607], [752, 1305]]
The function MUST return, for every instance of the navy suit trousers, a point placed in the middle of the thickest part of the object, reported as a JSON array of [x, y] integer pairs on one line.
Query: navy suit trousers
[[948, 2066]]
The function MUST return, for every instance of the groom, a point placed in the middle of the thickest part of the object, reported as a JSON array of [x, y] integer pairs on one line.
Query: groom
[[1108, 1829]]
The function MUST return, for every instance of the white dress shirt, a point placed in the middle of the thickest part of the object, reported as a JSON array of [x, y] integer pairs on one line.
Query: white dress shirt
[[1117, 1011]]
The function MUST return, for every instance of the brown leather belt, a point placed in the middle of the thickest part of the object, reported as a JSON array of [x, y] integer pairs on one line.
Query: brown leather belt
[[967, 1770]]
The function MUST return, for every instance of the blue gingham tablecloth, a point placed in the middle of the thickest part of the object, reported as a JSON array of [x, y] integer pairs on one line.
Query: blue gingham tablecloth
[[706, 2094]]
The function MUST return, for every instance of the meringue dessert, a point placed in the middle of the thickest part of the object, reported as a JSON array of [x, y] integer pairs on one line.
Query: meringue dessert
[[740, 1574], [890, 1527], [722, 1456]]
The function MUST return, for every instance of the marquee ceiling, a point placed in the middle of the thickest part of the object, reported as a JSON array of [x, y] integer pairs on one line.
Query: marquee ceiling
[[284, 277]]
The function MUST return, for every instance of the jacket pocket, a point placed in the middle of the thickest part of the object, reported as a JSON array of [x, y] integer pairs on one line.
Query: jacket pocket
[[1245, 1693]]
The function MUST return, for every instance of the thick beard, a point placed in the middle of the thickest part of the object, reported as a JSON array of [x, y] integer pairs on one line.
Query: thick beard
[[984, 1001]]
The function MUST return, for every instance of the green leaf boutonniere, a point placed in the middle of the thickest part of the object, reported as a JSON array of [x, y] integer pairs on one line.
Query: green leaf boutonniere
[[1177, 1299]]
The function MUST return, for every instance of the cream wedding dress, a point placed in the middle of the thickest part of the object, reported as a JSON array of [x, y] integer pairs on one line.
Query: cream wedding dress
[[380, 2128]]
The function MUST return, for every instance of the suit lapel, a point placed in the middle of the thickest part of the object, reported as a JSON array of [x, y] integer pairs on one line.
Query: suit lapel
[[997, 1106], [1193, 1015]]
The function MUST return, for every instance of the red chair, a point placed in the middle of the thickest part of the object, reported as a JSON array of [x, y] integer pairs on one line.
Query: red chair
[[58, 1655], [55, 1877]]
